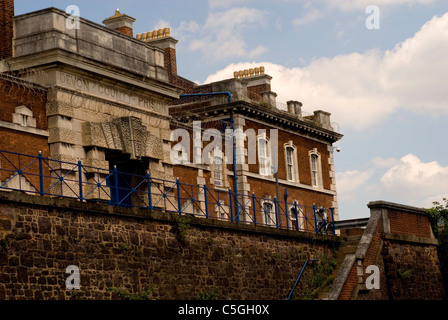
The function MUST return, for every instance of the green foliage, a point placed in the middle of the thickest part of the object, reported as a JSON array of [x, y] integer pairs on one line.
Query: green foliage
[[125, 295], [4, 244], [405, 273], [438, 215], [181, 228], [212, 294], [322, 276], [124, 247]]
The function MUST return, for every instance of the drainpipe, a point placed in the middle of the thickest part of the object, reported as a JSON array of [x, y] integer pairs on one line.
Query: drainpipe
[[235, 178], [208, 94]]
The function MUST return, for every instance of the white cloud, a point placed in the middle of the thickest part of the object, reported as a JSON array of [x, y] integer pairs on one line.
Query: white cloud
[[407, 180], [418, 182], [362, 4], [225, 3], [221, 36], [312, 15], [362, 89], [350, 182]]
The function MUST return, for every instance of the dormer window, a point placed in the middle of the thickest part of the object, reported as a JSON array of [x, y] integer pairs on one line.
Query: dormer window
[[23, 117]]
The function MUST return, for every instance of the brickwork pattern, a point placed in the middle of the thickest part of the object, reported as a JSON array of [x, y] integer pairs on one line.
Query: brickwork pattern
[[6, 28], [409, 223]]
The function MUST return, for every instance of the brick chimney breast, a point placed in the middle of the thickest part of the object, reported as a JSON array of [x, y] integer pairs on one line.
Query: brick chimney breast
[[121, 23], [6, 28]]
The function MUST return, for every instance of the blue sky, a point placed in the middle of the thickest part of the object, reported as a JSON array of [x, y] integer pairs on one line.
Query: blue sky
[[386, 88]]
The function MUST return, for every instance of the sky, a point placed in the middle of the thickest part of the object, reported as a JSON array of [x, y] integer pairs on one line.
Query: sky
[[381, 72]]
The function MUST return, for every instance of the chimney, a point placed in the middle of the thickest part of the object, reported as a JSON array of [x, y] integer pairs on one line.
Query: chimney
[[295, 107], [162, 39], [121, 23], [323, 119], [6, 28]]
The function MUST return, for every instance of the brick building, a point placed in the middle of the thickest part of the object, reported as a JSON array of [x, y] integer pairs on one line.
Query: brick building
[[96, 94]]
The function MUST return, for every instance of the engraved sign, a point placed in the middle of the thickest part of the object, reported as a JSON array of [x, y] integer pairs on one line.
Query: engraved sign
[[104, 90]]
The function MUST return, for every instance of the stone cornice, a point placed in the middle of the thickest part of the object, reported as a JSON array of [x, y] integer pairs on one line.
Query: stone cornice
[[276, 117]]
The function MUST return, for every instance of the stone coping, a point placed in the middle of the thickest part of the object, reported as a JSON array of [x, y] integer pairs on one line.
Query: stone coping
[[21, 198]]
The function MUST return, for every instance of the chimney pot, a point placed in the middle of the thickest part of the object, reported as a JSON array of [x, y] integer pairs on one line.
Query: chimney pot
[[121, 23]]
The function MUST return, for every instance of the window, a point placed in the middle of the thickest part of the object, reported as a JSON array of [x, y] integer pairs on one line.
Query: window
[[268, 213], [296, 217], [293, 214], [315, 166], [23, 117], [263, 155], [290, 163], [314, 172], [24, 120], [217, 171]]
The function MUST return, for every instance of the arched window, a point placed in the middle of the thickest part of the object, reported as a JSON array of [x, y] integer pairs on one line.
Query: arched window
[[291, 163], [268, 213], [217, 171], [264, 157], [316, 169]]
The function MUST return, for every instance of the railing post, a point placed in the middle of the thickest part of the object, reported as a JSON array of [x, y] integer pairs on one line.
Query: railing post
[[148, 177], [297, 215], [80, 180], [179, 202], [206, 202], [298, 278], [253, 206], [332, 220], [231, 205], [276, 213], [286, 209], [315, 220], [117, 200], [41, 174]]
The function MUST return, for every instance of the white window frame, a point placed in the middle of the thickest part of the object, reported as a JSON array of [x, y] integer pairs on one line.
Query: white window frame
[[316, 169], [264, 156], [291, 163], [218, 174], [268, 217], [292, 217]]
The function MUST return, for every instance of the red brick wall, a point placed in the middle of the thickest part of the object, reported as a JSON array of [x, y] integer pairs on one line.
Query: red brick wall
[[6, 28], [126, 30], [14, 94], [170, 62], [349, 285], [254, 92], [304, 146], [409, 223]]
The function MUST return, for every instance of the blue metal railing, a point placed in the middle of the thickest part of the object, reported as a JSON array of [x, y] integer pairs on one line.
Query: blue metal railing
[[298, 278], [51, 177]]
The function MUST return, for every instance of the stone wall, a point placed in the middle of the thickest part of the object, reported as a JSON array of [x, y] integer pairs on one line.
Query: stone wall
[[137, 250]]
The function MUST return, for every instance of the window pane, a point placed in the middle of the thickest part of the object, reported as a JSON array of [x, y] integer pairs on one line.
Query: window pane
[[217, 171], [314, 170], [289, 164]]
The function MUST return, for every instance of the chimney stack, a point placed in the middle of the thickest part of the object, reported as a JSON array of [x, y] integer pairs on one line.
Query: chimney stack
[[6, 28], [162, 39], [295, 107], [121, 23]]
